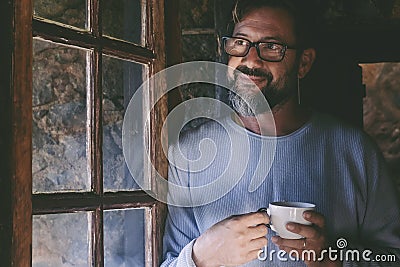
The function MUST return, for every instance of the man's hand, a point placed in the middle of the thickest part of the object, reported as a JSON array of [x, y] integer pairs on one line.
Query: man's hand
[[233, 241], [314, 239]]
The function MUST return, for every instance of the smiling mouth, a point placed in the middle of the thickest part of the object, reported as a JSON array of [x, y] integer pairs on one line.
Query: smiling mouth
[[256, 79], [249, 79], [251, 82]]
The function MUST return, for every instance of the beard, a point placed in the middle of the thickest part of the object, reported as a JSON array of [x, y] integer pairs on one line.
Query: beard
[[249, 100]]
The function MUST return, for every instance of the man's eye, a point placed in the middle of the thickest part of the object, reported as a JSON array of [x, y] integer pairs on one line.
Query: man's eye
[[272, 46], [240, 43]]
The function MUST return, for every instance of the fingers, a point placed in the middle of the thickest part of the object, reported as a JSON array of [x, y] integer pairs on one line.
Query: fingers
[[255, 218], [256, 224], [313, 234], [257, 244], [289, 243], [313, 231], [258, 231], [249, 219], [294, 247], [314, 238], [252, 255], [253, 225], [315, 218], [239, 239], [307, 231]]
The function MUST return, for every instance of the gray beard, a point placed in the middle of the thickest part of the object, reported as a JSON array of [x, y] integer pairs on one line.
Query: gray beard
[[248, 104], [251, 104]]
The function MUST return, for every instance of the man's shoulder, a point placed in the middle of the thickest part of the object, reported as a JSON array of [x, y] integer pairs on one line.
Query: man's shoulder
[[207, 128], [200, 135], [341, 130], [331, 123]]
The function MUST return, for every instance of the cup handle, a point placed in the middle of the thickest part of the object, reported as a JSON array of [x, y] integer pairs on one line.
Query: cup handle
[[269, 225]]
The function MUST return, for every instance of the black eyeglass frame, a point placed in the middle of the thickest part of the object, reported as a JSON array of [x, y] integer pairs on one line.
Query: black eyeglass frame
[[256, 45]]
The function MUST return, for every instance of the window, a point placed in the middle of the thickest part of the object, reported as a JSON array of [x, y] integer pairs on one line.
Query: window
[[69, 192]]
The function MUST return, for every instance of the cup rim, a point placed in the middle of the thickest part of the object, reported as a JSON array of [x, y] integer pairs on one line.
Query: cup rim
[[292, 204]]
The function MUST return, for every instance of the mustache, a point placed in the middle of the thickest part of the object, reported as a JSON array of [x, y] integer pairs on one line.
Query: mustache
[[255, 72]]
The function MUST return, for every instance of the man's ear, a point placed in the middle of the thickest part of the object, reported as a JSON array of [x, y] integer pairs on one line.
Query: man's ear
[[306, 61]]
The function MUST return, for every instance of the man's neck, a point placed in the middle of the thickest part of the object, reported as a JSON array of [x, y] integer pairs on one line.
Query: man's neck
[[285, 119]]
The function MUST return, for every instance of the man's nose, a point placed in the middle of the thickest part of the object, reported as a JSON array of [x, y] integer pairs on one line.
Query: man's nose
[[252, 59]]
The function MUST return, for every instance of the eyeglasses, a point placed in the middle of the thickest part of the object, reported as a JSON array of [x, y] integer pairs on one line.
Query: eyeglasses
[[268, 51]]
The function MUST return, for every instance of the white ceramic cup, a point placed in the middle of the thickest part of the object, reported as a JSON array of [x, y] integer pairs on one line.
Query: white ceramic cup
[[282, 213]]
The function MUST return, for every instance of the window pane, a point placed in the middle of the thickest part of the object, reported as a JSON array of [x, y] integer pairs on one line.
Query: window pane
[[61, 240], [121, 79], [124, 237], [123, 19], [69, 12], [59, 118]]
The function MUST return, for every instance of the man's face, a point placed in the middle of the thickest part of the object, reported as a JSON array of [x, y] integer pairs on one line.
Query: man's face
[[276, 80]]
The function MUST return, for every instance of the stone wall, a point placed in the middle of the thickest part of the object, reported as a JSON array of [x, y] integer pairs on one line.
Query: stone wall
[[382, 110]]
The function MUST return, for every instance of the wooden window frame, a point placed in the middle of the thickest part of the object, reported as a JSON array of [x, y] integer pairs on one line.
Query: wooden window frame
[[18, 204]]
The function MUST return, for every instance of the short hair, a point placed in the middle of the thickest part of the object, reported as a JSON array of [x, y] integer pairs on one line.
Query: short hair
[[304, 21]]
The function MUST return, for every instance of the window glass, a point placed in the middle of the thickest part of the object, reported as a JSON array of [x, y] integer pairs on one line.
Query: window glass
[[59, 160], [124, 237], [124, 19], [61, 240], [121, 79], [68, 12]]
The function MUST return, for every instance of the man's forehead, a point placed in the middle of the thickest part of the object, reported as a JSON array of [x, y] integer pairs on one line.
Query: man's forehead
[[250, 23], [266, 22], [262, 29]]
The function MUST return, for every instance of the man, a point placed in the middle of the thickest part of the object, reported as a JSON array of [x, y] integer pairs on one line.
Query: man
[[318, 159]]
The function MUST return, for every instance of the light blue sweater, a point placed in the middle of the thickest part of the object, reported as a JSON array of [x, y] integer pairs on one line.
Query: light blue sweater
[[325, 162]]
